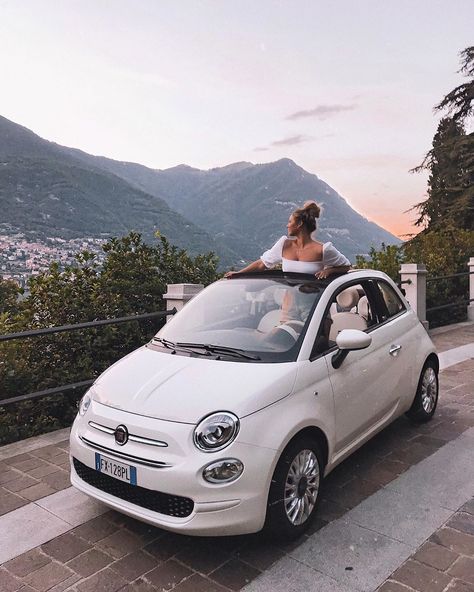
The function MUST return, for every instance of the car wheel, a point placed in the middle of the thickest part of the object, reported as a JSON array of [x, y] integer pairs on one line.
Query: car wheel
[[295, 488], [426, 398]]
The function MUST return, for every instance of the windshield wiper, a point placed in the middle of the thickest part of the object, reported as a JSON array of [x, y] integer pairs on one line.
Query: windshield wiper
[[180, 346], [220, 349]]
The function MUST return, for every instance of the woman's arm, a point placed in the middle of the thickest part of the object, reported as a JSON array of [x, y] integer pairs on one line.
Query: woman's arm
[[257, 265]]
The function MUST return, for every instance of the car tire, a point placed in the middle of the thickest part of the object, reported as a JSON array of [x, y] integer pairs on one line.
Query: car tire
[[426, 398], [295, 489]]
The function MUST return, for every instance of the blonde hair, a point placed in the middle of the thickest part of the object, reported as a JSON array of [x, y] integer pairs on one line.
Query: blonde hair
[[307, 215]]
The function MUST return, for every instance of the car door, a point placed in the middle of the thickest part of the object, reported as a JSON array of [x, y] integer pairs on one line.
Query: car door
[[365, 386]]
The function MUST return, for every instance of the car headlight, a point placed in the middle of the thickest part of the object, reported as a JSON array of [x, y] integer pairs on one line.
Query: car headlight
[[216, 431], [84, 404]]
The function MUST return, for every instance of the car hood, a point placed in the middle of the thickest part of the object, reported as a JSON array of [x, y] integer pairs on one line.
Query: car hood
[[185, 389]]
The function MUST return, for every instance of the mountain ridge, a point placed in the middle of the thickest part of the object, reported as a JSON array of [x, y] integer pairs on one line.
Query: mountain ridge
[[238, 210]]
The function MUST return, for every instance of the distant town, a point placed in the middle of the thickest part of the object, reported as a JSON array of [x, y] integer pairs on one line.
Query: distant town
[[22, 257]]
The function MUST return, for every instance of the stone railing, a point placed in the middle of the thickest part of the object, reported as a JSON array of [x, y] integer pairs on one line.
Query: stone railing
[[413, 279]]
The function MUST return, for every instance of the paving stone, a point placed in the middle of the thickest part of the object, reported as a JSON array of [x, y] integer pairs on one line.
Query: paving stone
[[289, 575], [134, 565], [48, 576], [37, 492], [42, 471], [65, 547], [58, 480], [260, 553], [235, 574], [462, 521], [21, 482], [26, 465], [407, 521], [89, 562], [354, 493], [10, 501], [66, 584], [27, 562], [8, 582], [198, 583], [168, 574], [103, 581], [468, 507], [435, 556], [459, 586], [119, 544], [391, 586], [421, 577], [9, 475], [48, 452], [168, 545], [341, 544], [203, 557], [140, 586], [96, 529], [72, 506], [17, 459], [456, 541], [463, 569]]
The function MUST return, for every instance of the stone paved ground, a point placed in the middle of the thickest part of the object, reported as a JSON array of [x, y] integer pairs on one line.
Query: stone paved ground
[[113, 552]]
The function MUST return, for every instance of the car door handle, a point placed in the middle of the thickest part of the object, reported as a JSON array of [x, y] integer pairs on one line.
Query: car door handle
[[394, 349]]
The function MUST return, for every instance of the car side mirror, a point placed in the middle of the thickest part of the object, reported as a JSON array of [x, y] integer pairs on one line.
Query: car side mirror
[[349, 340]]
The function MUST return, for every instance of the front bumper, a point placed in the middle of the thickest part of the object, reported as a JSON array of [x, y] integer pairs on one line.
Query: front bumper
[[238, 507]]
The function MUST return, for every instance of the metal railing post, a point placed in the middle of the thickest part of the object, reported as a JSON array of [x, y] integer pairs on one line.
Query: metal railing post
[[413, 276], [178, 294], [470, 308]]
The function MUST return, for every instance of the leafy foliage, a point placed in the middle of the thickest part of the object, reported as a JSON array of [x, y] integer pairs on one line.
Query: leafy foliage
[[131, 281], [450, 161]]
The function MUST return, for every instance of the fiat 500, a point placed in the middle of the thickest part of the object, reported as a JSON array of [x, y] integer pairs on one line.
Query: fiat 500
[[229, 418]]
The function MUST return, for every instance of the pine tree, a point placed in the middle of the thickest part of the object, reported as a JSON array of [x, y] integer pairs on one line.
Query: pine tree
[[450, 200]]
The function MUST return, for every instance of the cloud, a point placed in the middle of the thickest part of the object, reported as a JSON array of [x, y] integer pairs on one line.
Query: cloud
[[292, 140], [321, 112]]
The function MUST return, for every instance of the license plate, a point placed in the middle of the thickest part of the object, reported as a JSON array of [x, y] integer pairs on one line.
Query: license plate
[[115, 469]]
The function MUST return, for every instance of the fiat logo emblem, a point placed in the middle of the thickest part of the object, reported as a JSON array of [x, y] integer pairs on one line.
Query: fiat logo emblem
[[121, 435]]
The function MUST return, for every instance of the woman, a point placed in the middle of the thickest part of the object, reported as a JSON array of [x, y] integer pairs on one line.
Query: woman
[[298, 251]]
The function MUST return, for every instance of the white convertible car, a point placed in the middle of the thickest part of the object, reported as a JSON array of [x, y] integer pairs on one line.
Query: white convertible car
[[228, 420]]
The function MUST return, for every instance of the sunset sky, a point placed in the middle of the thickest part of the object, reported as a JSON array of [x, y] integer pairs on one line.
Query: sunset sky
[[345, 89]]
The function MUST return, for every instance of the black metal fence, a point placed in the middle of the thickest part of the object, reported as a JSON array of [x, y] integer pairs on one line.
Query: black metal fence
[[453, 293], [68, 328]]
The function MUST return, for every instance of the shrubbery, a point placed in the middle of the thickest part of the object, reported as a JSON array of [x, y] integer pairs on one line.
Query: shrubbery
[[131, 281]]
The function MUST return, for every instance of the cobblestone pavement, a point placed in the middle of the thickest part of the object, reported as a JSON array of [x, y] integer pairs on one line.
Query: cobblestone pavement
[[112, 552], [444, 562]]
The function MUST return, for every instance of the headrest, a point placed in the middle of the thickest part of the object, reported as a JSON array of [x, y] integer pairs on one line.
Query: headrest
[[348, 298]]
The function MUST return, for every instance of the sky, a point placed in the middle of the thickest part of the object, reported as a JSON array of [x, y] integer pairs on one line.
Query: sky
[[345, 88]]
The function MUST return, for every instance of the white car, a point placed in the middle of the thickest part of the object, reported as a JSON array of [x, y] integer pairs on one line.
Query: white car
[[228, 420]]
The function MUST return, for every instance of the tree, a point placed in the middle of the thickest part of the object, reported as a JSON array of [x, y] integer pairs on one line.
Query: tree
[[131, 281], [451, 160]]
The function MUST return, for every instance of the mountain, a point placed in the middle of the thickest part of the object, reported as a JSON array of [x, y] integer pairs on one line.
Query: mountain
[[237, 210], [248, 204], [48, 192]]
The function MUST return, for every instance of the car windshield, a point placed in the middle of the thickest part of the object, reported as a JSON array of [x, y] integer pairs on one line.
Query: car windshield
[[245, 319]]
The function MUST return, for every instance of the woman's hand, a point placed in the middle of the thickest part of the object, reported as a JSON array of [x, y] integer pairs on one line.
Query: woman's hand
[[321, 275], [229, 274]]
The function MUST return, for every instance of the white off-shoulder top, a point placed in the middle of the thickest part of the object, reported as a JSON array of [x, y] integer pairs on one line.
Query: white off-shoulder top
[[331, 258]]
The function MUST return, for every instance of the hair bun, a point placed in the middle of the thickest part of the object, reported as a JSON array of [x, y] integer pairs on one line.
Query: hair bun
[[312, 208]]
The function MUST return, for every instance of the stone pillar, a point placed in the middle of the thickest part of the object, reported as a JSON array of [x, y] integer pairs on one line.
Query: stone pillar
[[413, 276], [178, 294], [470, 308]]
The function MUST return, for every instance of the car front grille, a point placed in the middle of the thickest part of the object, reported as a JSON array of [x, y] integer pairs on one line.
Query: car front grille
[[163, 503]]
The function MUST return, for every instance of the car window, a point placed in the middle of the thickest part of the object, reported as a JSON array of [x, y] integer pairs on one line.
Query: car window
[[392, 301], [350, 308], [265, 317]]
